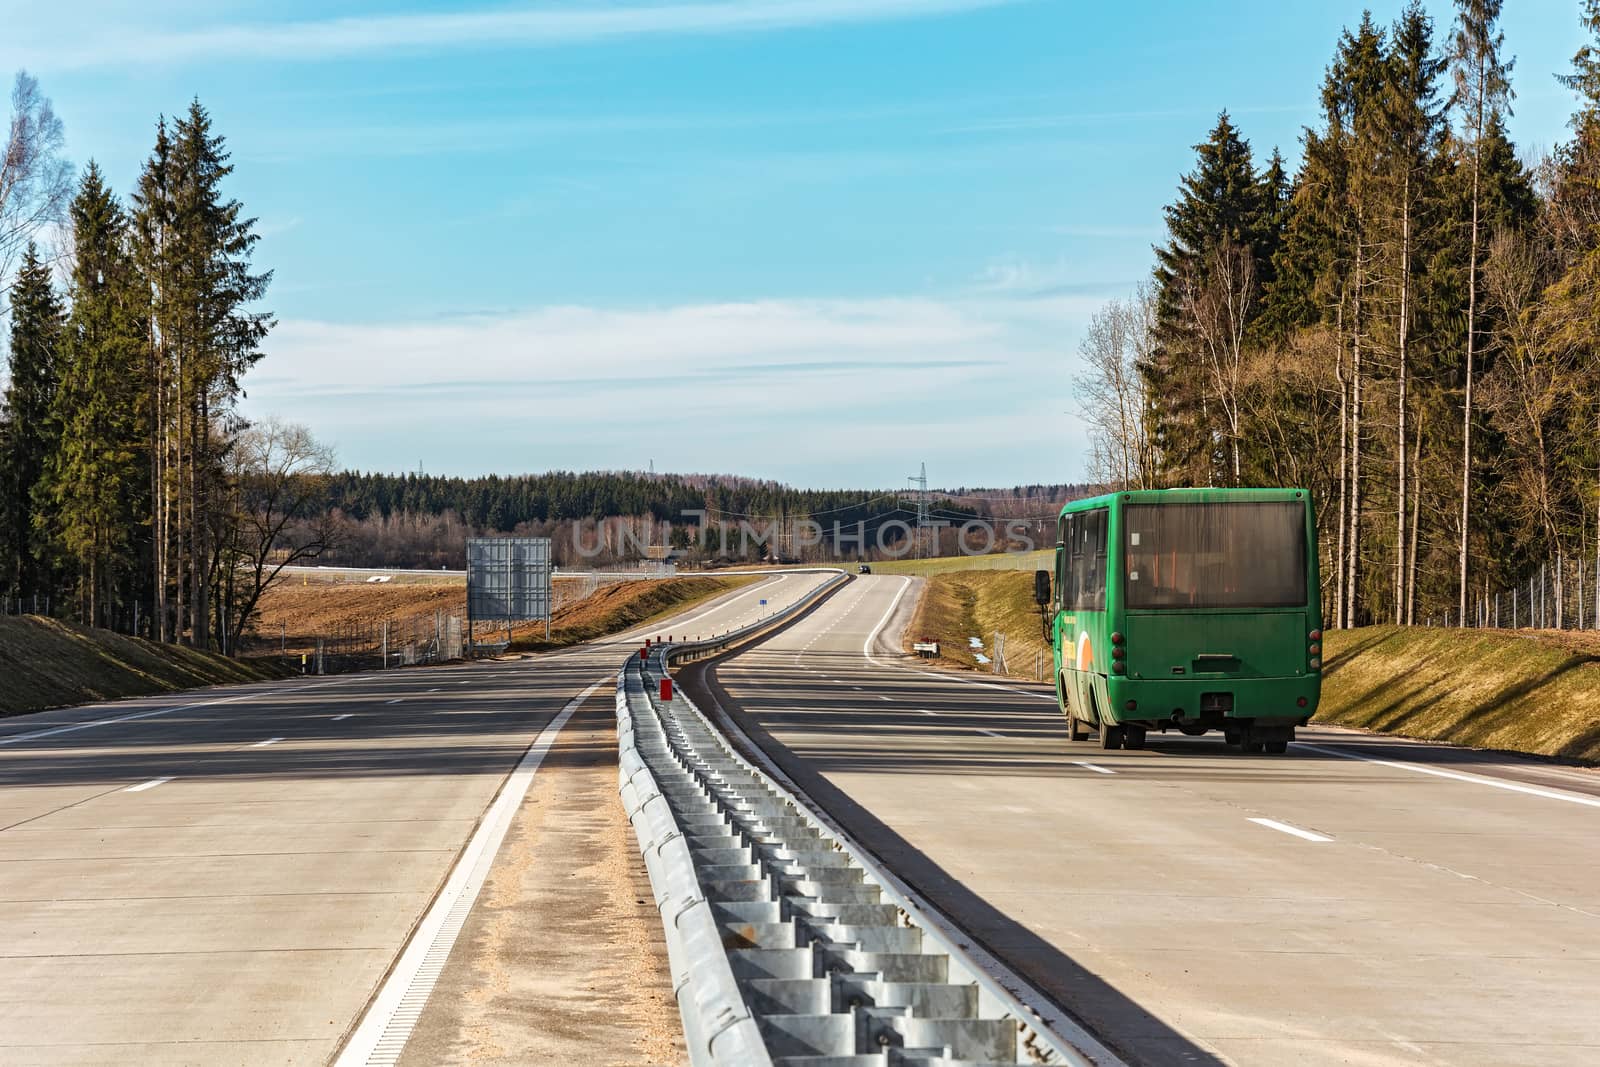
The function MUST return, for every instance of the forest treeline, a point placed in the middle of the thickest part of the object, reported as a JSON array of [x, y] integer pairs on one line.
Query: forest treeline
[[608, 517], [132, 494], [1408, 325]]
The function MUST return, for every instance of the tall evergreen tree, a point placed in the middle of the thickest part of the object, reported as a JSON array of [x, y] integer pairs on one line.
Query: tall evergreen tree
[[29, 432], [95, 477], [1483, 88], [1222, 204]]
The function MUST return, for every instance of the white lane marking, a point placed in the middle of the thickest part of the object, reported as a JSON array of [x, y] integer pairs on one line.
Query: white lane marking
[[991, 733], [388, 1021], [882, 697], [142, 786], [1086, 765], [36, 734], [1274, 824], [341, 718], [1514, 787], [467, 682], [925, 711], [858, 689], [268, 741], [433, 690], [396, 700]]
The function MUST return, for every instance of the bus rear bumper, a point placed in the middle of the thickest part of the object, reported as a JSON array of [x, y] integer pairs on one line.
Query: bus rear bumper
[[1193, 703]]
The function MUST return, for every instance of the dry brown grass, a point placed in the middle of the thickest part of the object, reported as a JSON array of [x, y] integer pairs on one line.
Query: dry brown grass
[[298, 613], [957, 605]]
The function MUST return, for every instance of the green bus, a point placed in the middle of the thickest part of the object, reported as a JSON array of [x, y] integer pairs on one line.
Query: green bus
[[1189, 610]]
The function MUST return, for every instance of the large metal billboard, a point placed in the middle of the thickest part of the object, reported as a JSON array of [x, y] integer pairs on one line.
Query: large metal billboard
[[508, 578]]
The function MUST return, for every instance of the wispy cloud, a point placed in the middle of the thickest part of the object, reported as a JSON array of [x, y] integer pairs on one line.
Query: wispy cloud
[[707, 383], [324, 39]]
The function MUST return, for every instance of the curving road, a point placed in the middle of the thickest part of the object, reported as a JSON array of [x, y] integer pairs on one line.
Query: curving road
[[1361, 901], [227, 876]]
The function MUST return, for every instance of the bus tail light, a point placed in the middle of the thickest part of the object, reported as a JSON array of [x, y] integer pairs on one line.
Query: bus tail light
[[1118, 667], [1316, 663], [1301, 702], [1117, 638]]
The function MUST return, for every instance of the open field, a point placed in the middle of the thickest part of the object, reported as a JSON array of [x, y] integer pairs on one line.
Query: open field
[[294, 614], [47, 664], [1042, 559], [1526, 691]]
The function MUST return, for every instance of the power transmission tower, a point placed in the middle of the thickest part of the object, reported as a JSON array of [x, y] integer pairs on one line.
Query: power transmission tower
[[921, 482]]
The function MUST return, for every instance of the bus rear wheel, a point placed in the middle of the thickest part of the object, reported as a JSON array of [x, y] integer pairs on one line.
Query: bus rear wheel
[[1075, 730], [1110, 736], [1277, 748], [1133, 737]]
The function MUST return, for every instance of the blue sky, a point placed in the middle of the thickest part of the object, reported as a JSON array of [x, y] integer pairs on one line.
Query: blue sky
[[815, 240]]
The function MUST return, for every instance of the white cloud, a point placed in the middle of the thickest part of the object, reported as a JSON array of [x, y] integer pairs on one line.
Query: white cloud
[[737, 386], [530, 27]]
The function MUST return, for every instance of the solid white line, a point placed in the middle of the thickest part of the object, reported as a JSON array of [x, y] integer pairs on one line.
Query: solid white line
[[396, 700], [36, 734], [1086, 765], [1274, 824], [341, 718], [393, 1013], [142, 786], [268, 741], [1513, 787]]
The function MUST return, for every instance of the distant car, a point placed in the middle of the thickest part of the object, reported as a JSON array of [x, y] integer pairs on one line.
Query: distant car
[[865, 568]]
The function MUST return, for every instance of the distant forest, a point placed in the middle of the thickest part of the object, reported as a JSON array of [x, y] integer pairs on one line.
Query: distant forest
[[603, 518]]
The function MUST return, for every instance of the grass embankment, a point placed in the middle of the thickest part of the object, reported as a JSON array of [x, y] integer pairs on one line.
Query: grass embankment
[[1536, 692], [48, 664], [957, 605]]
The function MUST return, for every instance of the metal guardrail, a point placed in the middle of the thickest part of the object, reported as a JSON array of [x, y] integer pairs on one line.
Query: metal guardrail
[[778, 925]]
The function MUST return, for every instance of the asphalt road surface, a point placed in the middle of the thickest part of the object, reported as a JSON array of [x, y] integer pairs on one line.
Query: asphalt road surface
[[1360, 901], [226, 876]]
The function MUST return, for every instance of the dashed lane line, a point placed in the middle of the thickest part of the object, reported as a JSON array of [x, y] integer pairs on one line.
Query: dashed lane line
[[1086, 765], [1283, 827], [151, 784]]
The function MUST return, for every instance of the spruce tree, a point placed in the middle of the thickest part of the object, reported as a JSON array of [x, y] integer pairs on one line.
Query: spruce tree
[[1220, 205], [29, 426], [95, 479]]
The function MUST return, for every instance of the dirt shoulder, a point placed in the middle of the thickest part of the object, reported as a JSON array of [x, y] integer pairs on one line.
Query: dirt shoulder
[[563, 958]]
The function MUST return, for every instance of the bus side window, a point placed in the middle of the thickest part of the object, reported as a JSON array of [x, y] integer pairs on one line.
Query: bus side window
[[1097, 545], [1069, 562]]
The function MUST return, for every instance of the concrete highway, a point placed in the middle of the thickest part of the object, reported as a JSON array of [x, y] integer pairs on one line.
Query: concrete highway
[[228, 876], [1360, 901]]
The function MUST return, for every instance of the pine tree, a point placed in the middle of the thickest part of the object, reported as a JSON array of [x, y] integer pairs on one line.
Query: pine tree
[[1483, 88], [94, 479], [1220, 206], [29, 431], [194, 248]]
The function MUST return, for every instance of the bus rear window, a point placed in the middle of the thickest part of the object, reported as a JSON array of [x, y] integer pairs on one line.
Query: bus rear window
[[1224, 555]]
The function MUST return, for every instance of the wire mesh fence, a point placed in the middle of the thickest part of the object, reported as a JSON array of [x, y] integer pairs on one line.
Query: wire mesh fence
[[1561, 594]]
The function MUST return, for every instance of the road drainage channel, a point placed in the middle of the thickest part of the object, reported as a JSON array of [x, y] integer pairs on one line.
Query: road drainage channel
[[787, 947]]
